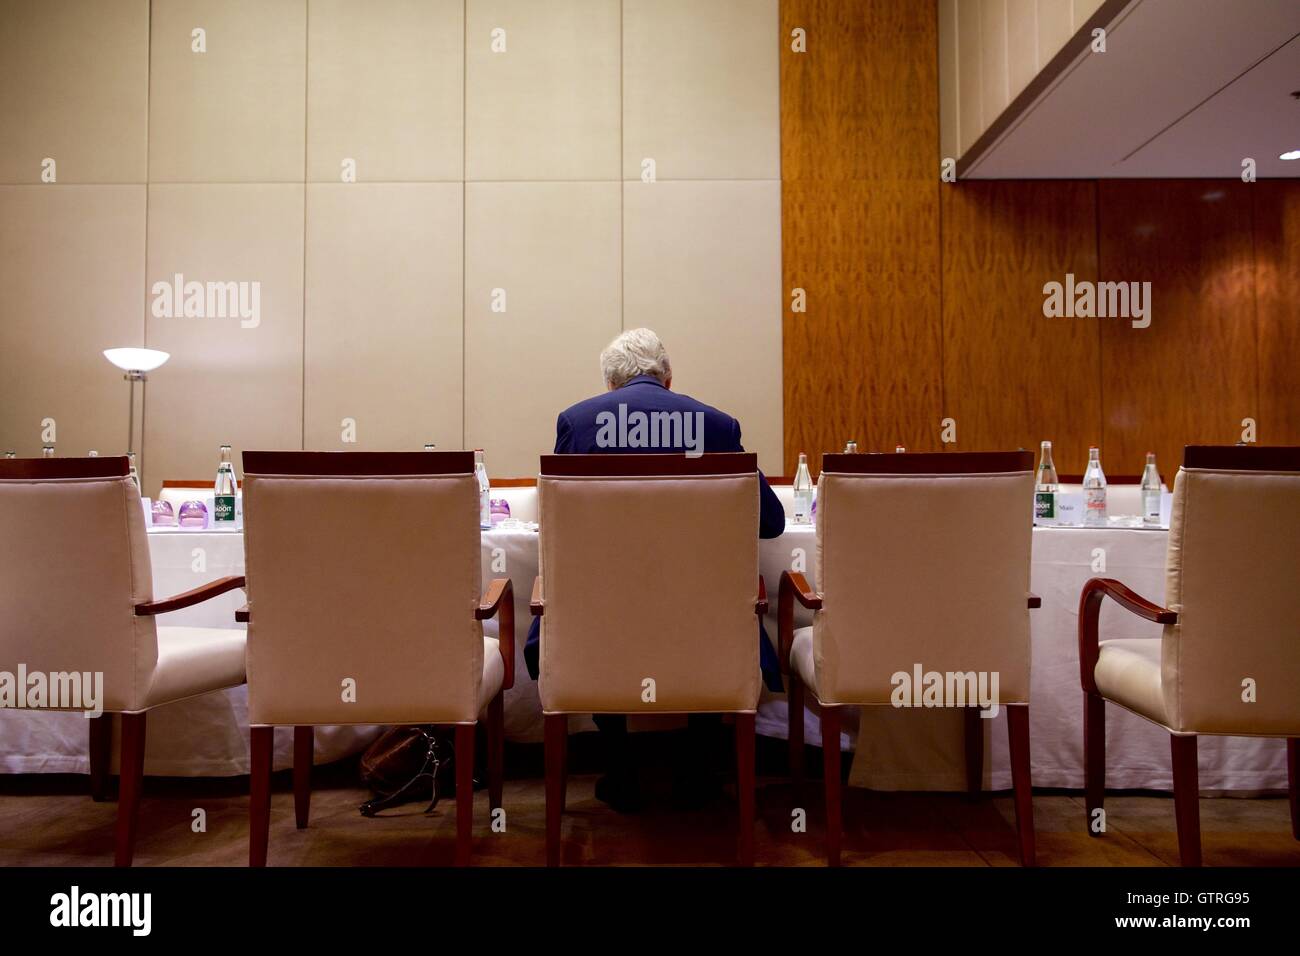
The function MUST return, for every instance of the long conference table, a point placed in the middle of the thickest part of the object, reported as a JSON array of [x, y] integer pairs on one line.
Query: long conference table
[[895, 749]]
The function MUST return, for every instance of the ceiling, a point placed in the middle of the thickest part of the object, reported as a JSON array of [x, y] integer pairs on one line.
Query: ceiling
[[1186, 88]]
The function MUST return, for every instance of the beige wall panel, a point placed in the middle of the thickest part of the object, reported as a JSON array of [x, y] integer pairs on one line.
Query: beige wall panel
[[701, 88], [72, 271], [548, 107], [1083, 9], [554, 249], [993, 59], [949, 94], [225, 382], [970, 73], [383, 320], [235, 113], [385, 87], [1055, 27], [74, 87], [1022, 44], [702, 267]]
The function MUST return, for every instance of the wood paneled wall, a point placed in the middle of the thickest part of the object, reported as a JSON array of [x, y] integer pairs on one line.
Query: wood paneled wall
[[1011, 376], [925, 299], [860, 227], [1191, 376]]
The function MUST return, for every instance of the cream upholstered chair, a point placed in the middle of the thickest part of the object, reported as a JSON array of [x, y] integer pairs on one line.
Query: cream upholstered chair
[[649, 588], [1228, 661], [364, 607], [924, 563], [76, 598]]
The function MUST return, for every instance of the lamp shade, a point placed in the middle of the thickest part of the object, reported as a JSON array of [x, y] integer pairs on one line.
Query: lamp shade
[[136, 360]]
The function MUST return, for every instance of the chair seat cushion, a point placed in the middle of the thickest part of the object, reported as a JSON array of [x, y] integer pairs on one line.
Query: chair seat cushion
[[801, 659], [196, 660], [494, 672], [1128, 672]]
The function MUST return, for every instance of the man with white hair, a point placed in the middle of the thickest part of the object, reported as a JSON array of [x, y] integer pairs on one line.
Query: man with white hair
[[639, 413]]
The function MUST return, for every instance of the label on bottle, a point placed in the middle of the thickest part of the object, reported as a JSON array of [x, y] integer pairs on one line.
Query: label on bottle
[[1151, 507], [1045, 505], [223, 508], [802, 506], [1094, 500]]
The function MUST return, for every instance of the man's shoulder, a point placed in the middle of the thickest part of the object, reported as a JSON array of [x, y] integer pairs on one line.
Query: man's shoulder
[[715, 416], [588, 408]]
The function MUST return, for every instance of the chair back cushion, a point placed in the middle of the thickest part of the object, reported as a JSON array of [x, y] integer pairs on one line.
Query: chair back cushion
[[649, 567], [75, 562], [1231, 665], [924, 568], [362, 578]]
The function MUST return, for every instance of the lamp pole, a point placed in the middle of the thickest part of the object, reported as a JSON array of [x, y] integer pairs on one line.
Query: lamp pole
[[136, 364]]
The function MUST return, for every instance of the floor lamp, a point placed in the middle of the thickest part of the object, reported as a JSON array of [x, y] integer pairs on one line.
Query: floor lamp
[[137, 364]]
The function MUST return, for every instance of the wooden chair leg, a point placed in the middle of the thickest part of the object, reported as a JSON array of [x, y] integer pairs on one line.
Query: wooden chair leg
[[557, 728], [1187, 799], [304, 753], [496, 749], [564, 773], [1094, 761], [794, 708], [974, 731], [464, 792], [1018, 733], [831, 721], [261, 746], [132, 779], [1293, 782], [101, 755], [745, 786]]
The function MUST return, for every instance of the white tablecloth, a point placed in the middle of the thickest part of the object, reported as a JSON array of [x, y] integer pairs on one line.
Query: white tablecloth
[[898, 749]]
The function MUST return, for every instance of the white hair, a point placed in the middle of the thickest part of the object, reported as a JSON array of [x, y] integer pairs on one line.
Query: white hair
[[635, 352]]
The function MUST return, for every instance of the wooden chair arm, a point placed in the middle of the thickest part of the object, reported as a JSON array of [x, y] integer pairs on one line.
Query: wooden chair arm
[[1094, 591], [241, 615], [793, 587], [499, 601], [760, 605], [1034, 601], [198, 595], [536, 605]]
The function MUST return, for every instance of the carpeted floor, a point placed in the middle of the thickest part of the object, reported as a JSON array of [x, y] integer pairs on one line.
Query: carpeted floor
[[51, 821]]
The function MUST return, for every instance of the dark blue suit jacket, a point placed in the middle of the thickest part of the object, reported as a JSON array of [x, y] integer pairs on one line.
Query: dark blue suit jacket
[[577, 428], [576, 433]]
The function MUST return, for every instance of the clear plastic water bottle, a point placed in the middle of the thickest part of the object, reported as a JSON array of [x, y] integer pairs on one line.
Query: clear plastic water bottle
[[899, 449], [851, 448], [47, 451], [803, 492], [1046, 487], [484, 491], [92, 454], [131, 471], [11, 454], [1094, 491], [1150, 491], [429, 446], [225, 488]]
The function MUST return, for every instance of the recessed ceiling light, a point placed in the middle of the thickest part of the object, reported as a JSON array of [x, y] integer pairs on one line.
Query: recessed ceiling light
[[1293, 154]]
